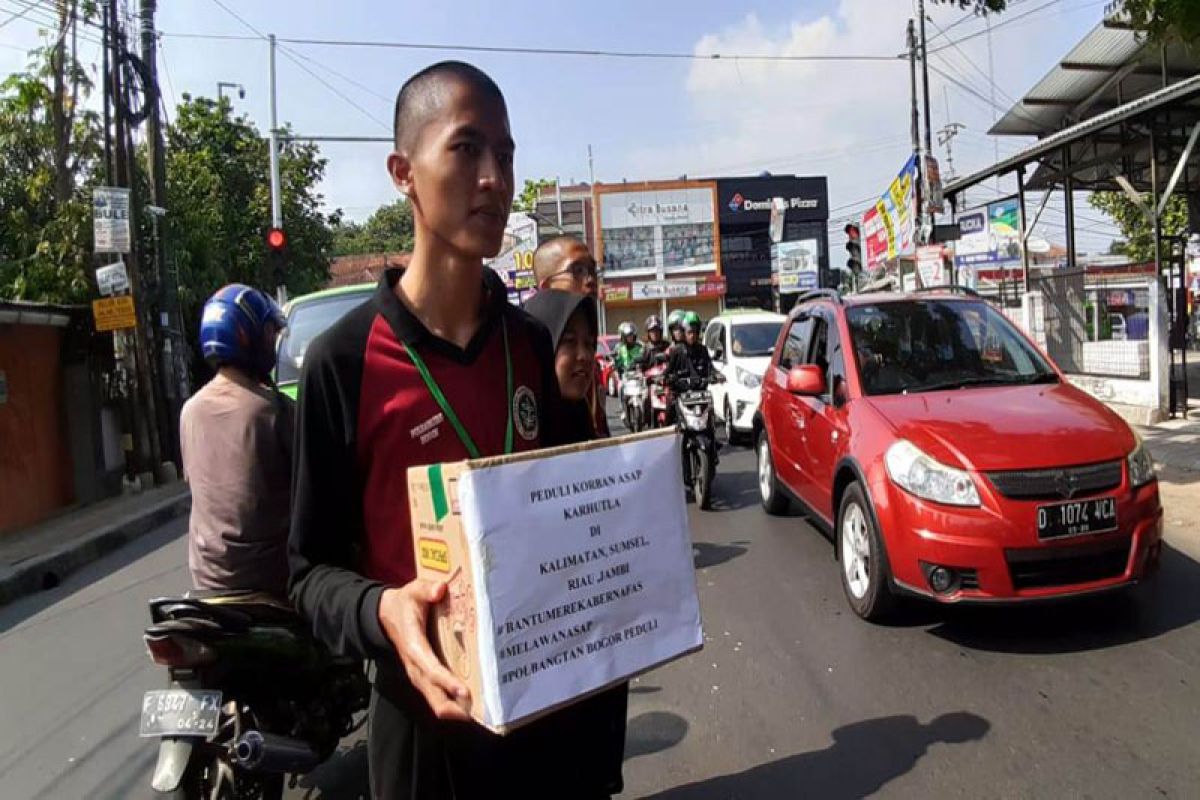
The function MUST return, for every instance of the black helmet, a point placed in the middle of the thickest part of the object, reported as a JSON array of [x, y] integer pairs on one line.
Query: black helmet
[[653, 323]]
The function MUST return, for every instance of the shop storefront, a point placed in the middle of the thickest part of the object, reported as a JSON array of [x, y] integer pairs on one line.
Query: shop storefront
[[658, 244], [745, 216]]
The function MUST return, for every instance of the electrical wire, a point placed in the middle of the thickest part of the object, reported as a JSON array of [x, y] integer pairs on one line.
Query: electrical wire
[[350, 101], [16, 15], [544, 51]]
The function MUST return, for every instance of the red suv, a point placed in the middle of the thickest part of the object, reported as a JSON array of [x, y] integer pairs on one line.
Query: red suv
[[948, 457]]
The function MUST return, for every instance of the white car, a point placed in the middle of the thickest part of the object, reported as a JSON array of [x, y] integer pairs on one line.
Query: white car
[[740, 344]]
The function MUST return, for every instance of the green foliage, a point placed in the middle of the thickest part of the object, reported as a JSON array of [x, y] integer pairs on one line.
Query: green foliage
[[219, 201], [527, 199], [1162, 20], [388, 230], [1135, 228], [45, 212], [980, 7]]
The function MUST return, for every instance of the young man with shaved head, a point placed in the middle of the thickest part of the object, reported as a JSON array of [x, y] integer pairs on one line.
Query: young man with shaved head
[[565, 263], [436, 367]]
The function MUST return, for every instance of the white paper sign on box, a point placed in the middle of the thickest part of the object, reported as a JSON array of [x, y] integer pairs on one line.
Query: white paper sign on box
[[580, 572]]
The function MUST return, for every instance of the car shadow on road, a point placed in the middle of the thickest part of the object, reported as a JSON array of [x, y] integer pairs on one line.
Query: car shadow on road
[[653, 732], [1169, 601], [863, 758], [733, 491], [707, 555]]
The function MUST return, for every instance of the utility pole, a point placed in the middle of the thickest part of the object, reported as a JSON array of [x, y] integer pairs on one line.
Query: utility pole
[[169, 337], [276, 201], [925, 81], [591, 168], [142, 441], [918, 195]]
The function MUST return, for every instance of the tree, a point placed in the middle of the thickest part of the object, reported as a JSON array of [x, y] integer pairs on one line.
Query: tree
[[388, 230], [1159, 20], [527, 199], [1135, 228], [50, 146], [218, 196]]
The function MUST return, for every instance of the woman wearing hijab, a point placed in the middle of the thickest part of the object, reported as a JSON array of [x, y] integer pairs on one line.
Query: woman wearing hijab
[[573, 325]]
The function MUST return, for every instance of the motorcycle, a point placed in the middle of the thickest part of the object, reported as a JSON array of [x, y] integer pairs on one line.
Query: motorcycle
[[662, 410], [252, 696], [696, 423], [634, 412]]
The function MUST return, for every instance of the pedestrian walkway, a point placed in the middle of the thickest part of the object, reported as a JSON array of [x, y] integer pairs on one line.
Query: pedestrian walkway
[[1174, 442], [38, 557]]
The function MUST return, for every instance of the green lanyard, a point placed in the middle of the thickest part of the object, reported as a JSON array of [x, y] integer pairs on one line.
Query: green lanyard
[[448, 410]]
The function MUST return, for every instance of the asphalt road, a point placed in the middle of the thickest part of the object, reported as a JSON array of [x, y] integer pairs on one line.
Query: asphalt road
[[792, 695]]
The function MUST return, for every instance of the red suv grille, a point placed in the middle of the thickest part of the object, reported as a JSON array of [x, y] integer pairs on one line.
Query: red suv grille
[[1062, 566], [1057, 483]]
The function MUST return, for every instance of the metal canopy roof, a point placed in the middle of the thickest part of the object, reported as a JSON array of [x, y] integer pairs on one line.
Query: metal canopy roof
[[1116, 142], [1107, 68]]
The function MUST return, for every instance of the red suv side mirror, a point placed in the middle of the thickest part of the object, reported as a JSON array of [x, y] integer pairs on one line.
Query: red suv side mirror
[[807, 379]]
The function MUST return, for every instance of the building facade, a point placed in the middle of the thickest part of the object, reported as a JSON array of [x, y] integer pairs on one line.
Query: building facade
[[659, 246], [746, 247]]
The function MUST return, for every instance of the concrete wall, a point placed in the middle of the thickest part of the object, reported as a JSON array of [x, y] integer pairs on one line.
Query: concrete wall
[[35, 462], [1140, 401]]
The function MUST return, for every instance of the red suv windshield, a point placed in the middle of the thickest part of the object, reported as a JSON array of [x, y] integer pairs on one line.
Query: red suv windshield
[[926, 345]]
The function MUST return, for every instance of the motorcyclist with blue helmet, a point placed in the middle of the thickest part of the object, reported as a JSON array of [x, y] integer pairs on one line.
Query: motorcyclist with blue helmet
[[235, 436]]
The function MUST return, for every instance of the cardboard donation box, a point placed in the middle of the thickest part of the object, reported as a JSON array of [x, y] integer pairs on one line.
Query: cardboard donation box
[[569, 570]]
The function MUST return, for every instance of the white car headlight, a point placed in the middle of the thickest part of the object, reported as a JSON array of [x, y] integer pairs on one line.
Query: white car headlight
[[1141, 466], [916, 472], [746, 378]]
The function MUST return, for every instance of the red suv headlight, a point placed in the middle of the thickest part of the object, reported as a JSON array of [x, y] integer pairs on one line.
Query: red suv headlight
[[918, 473]]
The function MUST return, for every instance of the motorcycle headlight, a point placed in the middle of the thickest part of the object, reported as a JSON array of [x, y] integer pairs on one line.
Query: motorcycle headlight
[[916, 472], [695, 419], [747, 378], [1141, 466]]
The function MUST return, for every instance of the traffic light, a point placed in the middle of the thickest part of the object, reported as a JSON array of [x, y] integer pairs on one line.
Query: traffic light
[[853, 247], [277, 254]]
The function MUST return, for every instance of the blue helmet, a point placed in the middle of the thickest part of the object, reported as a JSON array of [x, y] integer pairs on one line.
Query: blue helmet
[[232, 328]]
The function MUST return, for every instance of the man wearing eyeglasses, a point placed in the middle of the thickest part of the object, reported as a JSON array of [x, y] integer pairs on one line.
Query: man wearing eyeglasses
[[565, 263]]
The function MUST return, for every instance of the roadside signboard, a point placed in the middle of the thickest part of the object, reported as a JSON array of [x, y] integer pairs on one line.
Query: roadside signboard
[[114, 313], [112, 279], [110, 219]]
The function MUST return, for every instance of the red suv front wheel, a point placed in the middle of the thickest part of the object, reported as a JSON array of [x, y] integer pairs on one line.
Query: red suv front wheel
[[866, 578]]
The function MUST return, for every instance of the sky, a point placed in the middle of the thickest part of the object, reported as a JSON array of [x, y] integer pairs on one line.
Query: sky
[[644, 118]]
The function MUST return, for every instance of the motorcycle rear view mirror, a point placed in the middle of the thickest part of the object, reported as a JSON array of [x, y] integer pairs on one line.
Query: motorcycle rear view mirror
[[807, 380]]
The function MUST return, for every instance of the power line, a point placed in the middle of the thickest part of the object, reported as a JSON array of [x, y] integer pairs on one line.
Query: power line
[[337, 74], [974, 66], [287, 53], [16, 15], [240, 19], [544, 51]]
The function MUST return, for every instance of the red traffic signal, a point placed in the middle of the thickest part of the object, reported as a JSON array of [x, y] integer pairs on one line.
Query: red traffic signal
[[276, 239], [852, 232]]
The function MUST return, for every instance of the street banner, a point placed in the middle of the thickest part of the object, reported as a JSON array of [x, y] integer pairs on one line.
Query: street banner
[[929, 266], [112, 279], [875, 240], [935, 203], [778, 208], [110, 219], [991, 237], [797, 264], [114, 313], [514, 263], [557, 585], [889, 228]]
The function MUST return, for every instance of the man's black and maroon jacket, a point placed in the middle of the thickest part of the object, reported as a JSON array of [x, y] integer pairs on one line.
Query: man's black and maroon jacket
[[365, 417]]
